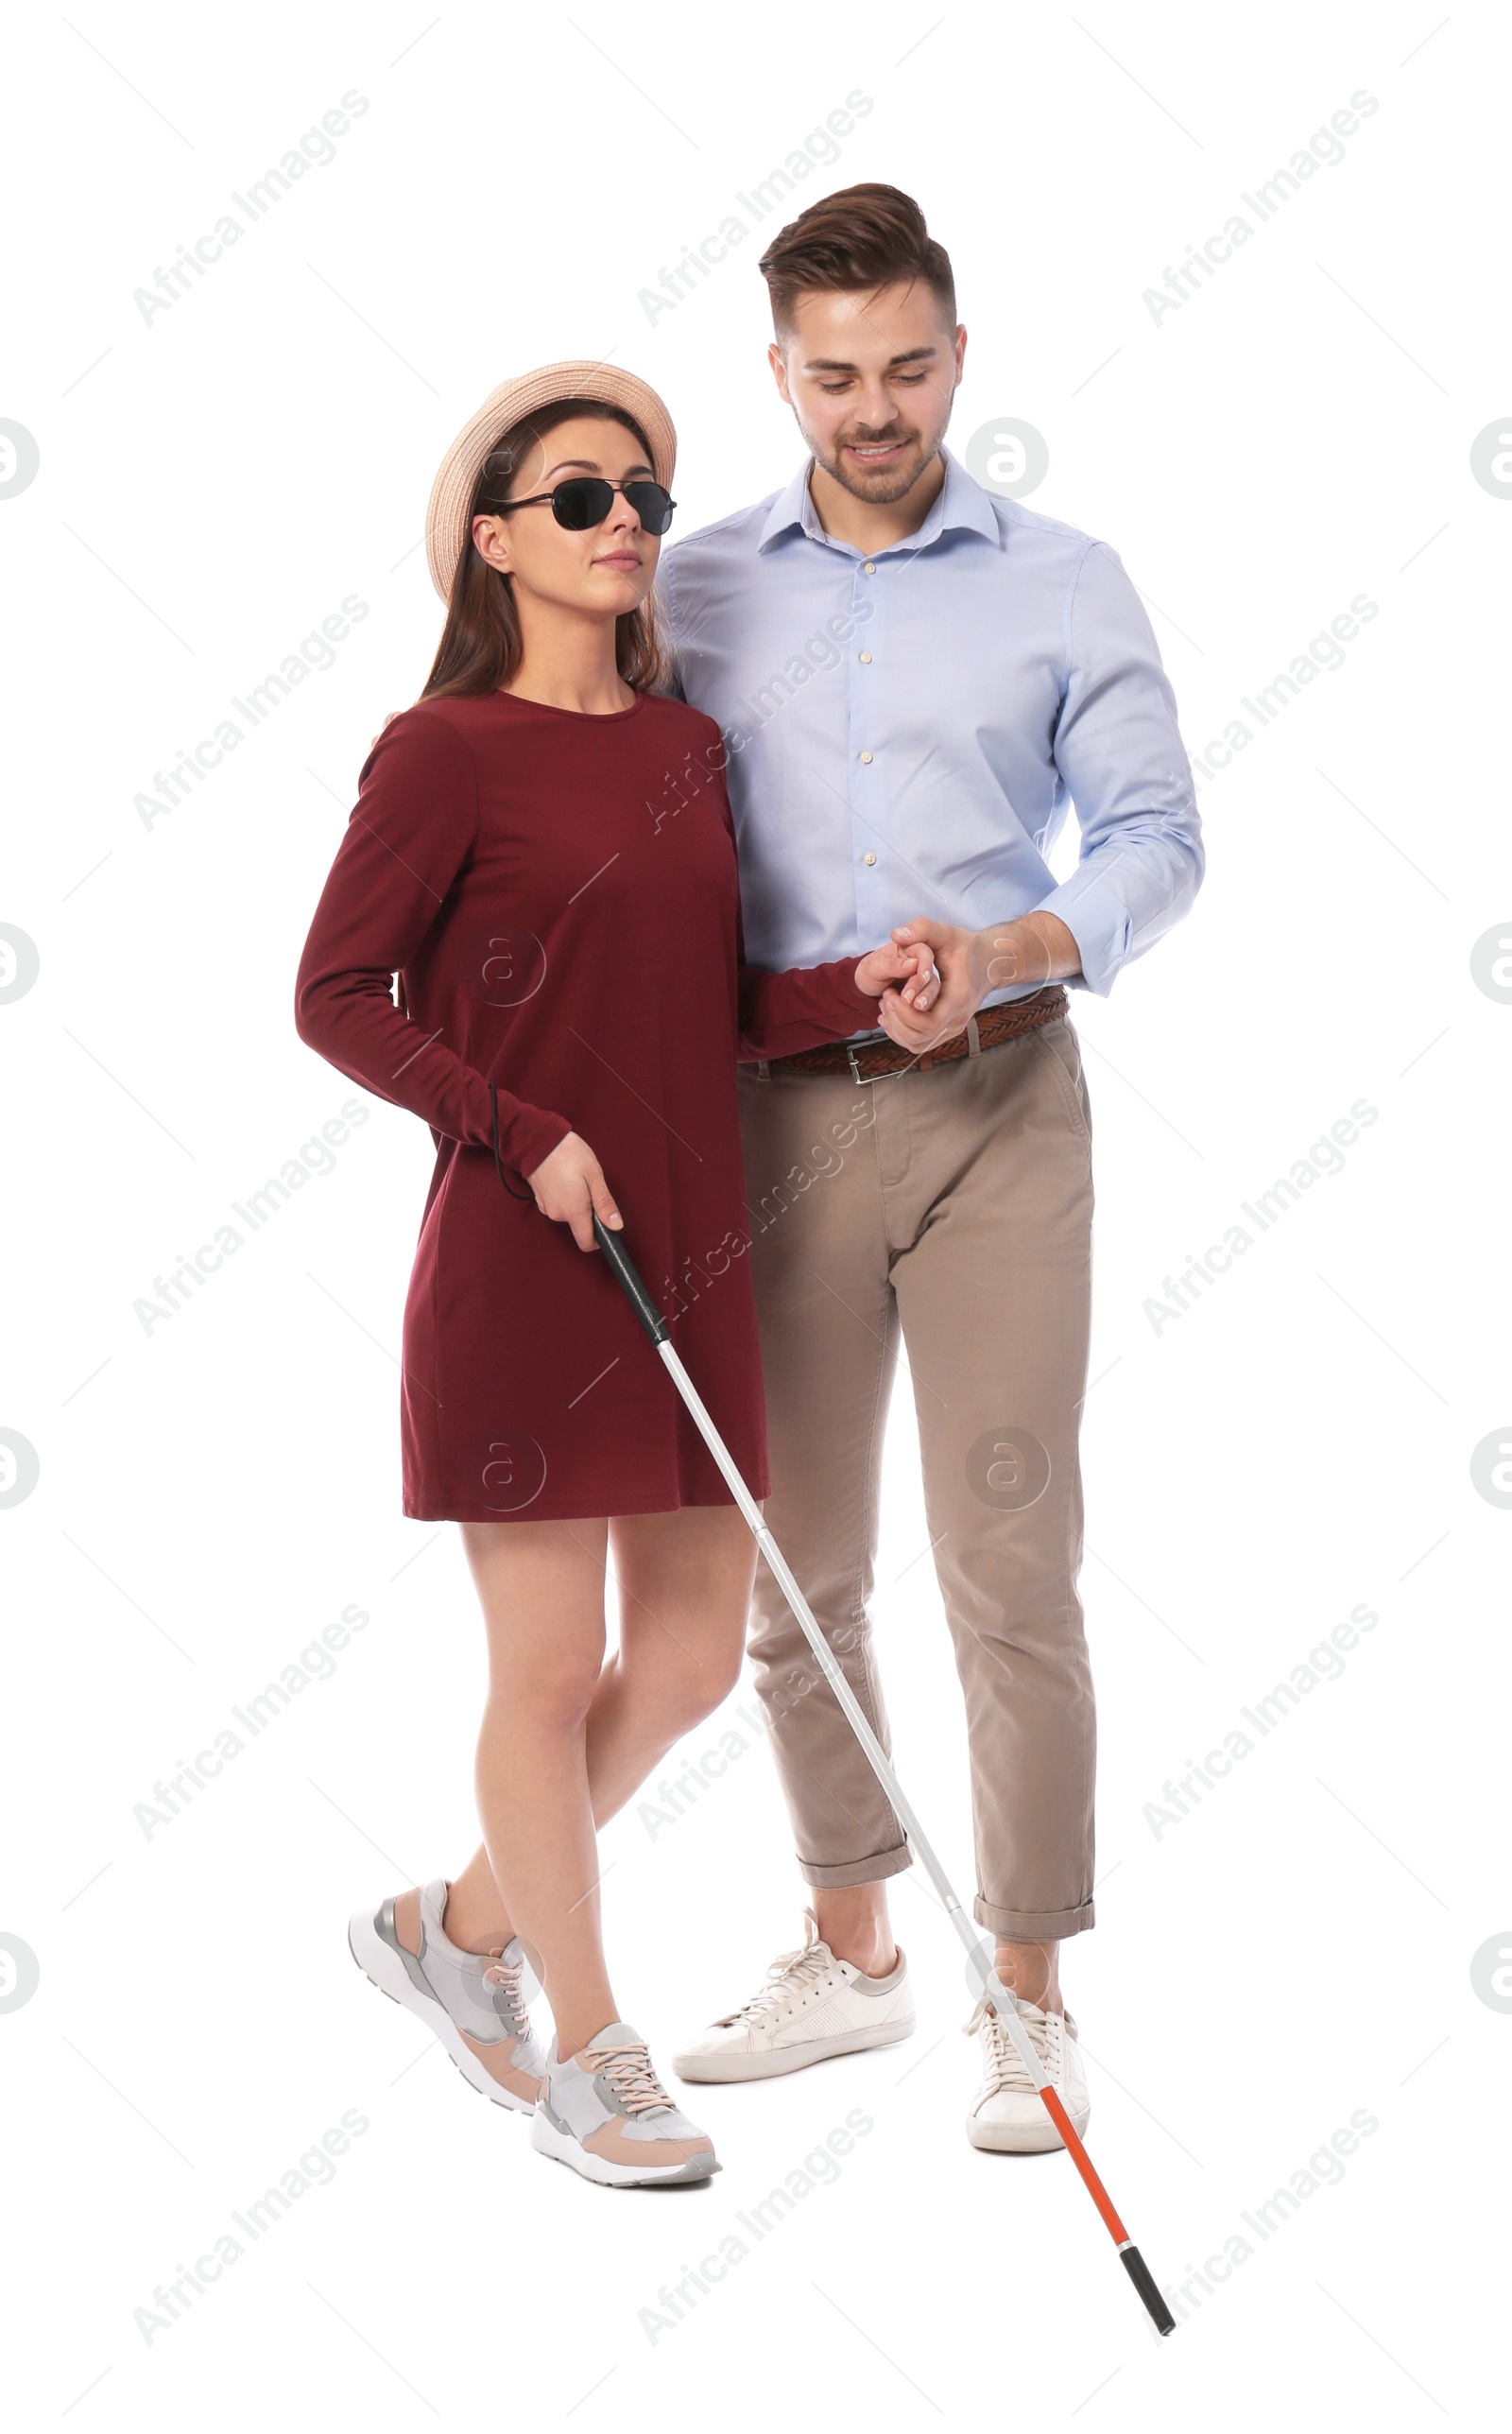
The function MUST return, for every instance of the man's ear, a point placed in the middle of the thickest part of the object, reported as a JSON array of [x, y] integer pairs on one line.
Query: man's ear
[[775, 357]]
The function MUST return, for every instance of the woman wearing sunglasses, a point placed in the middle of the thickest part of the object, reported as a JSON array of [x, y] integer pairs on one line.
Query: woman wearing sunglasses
[[543, 849]]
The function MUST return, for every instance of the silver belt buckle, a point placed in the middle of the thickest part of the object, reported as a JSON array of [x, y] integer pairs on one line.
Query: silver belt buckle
[[863, 1080]]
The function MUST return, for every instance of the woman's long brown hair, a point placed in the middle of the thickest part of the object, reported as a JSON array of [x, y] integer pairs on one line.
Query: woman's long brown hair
[[481, 648]]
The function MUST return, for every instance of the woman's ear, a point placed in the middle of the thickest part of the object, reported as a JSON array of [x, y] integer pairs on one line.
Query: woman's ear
[[489, 542]]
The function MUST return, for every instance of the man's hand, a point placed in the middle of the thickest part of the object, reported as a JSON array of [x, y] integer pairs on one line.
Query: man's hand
[[1026, 952], [908, 966]]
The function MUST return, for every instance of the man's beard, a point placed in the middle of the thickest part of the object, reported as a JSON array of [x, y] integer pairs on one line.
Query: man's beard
[[887, 483]]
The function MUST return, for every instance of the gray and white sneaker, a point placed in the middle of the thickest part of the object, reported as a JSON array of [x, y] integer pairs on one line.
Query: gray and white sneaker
[[474, 2001], [607, 2114]]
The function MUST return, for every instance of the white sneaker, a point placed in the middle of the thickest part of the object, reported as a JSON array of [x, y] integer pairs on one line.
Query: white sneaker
[[813, 2006], [474, 2001], [1009, 2114], [607, 2114]]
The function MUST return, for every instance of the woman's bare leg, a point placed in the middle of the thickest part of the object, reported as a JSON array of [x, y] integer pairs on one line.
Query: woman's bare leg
[[684, 1587], [566, 1738], [540, 1586]]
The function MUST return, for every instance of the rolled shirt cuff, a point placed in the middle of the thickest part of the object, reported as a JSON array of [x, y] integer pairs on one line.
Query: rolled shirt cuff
[[1100, 924]]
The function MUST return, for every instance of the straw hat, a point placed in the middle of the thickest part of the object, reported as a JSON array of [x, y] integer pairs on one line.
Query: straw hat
[[595, 384]]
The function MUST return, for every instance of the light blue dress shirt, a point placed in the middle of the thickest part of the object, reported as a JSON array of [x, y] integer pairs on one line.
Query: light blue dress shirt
[[904, 731]]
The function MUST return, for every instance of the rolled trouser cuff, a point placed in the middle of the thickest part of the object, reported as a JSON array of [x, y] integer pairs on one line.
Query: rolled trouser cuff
[[857, 1871], [1034, 1927]]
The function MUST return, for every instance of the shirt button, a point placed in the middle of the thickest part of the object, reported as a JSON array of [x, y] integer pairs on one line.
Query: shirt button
[[870, 568], [871, 858], [865, 659], [866, 757]]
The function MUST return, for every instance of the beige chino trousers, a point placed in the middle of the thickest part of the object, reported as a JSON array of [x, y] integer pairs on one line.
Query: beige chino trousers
[[955, 1205]]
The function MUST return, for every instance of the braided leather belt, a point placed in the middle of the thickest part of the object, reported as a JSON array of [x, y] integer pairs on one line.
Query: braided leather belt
[[867, 1060]]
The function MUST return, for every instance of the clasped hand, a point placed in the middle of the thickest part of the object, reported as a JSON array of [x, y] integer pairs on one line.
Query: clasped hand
[[1023, 954]]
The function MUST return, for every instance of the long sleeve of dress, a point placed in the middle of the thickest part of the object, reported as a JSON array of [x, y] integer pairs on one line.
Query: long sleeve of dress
[[409, 836], [783, 1012]]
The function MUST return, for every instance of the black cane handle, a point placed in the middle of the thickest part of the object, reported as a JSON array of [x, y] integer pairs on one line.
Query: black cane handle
[[613, 1247]]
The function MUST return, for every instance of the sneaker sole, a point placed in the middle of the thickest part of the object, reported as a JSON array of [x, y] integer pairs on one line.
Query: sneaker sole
[[1024, 2138], [719, 2069], [380, 1966], [607, 2174]]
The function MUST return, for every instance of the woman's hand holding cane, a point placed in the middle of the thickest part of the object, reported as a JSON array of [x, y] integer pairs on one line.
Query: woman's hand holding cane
[[569, 1186]]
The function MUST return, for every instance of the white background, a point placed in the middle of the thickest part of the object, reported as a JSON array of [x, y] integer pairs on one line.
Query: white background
[[214, 1492]]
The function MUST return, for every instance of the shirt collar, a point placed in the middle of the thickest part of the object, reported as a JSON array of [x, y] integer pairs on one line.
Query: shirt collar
[[961, 506], [793, 510]]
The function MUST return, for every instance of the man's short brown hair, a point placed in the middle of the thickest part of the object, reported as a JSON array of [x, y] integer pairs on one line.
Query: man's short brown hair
[[862, 238]]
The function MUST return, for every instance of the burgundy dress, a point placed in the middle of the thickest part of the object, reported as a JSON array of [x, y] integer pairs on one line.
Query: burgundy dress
[[559, 895]]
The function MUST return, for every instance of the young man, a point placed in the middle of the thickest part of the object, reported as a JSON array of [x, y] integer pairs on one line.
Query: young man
[[911, 675]]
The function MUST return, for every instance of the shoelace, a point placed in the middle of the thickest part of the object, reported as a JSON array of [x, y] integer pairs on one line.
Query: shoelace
[[1005, 2072], [509, 1975], [629, 2073], [790, 1974]]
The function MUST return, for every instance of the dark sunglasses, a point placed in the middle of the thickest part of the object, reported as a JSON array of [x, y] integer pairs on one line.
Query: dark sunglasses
[[584, 499]]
